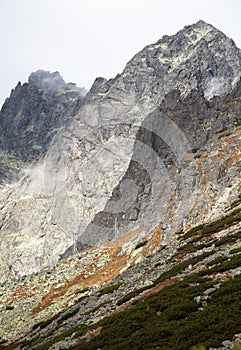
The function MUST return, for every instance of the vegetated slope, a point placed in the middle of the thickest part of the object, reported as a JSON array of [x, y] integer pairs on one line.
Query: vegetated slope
[[192, 297], [125, 161]]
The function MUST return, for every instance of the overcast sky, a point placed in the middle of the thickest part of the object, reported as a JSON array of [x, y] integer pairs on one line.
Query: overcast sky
[[83, 39]]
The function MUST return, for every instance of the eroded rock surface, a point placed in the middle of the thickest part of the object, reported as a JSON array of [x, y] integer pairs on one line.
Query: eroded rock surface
[[129, 156]]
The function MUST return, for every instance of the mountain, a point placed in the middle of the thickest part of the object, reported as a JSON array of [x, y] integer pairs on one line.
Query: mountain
[[129, 191], [36, 111]]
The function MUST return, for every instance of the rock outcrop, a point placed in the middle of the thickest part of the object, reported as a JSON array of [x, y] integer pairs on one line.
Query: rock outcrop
[[32, 115], [128, 158]]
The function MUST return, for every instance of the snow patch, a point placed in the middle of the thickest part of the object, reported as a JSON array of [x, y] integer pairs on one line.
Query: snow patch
[[213, 88]]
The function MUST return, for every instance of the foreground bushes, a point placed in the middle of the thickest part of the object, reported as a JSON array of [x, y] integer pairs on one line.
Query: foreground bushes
[[172, 319]]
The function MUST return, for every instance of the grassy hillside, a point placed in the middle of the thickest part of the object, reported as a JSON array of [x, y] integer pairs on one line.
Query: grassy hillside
[[195, 301]]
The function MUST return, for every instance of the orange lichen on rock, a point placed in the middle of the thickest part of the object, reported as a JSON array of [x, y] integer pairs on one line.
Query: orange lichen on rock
[[159, 287], [154, 240], [233, 103], [96, 332], [94, 275], [124, 238], [22, 292], [100, 276]]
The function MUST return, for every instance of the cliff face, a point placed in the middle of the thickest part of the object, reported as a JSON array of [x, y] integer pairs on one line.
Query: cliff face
[[135, 185], [35, 111], [127, 158], [31, 116]]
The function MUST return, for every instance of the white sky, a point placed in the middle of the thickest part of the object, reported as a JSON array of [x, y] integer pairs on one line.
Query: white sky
[[83, 39]]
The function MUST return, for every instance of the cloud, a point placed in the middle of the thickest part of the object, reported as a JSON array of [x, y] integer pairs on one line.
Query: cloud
[[214, 87]]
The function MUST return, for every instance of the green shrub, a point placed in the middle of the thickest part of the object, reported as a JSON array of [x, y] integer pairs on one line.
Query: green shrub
[[68, 315], [227, 239], [230, 264], [235, 250], [235, 203], [132, 294], [177, 269], [82, 290], [141, 244], [79, 300], [218, 260], [45, 323], [9, 307], [109, 289], [187, 248], [193, 231], [215, 226], [91, 311]]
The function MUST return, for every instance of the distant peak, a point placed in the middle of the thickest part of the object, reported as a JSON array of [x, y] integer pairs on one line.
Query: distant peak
[[196, 30], [97, 84], [46, 79], [200, 27], [199, 56], [200, 23]]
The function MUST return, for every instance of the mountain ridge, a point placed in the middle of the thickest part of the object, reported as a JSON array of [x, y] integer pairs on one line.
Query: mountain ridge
[[106, 125], [141, 169]]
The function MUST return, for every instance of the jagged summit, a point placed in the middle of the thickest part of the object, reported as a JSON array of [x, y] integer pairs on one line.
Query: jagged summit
[[35, 110], [52, 81], [46, 79], [197, 30], [198, 56], [199, 26], [96, 85]]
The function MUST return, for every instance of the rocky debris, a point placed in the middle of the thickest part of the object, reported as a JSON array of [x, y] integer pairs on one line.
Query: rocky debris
[[75, 294], [235, 344]]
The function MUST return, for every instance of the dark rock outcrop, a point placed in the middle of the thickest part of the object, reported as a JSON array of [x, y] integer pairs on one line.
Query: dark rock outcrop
[[35, 111], [32, 115]]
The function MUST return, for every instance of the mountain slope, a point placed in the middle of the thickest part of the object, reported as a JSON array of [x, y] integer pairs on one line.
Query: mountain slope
[[112, 203], [184, 294], [102, 170]]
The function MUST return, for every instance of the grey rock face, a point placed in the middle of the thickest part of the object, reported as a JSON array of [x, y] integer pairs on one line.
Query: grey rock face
[[35, 111], [125, 161], [96, 85], [199, 56]]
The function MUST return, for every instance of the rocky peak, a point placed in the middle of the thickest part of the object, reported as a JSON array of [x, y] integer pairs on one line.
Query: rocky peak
[[36, 111], [198, 56], [46, 80], [97, 84], [124, 161], [53, 82]]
